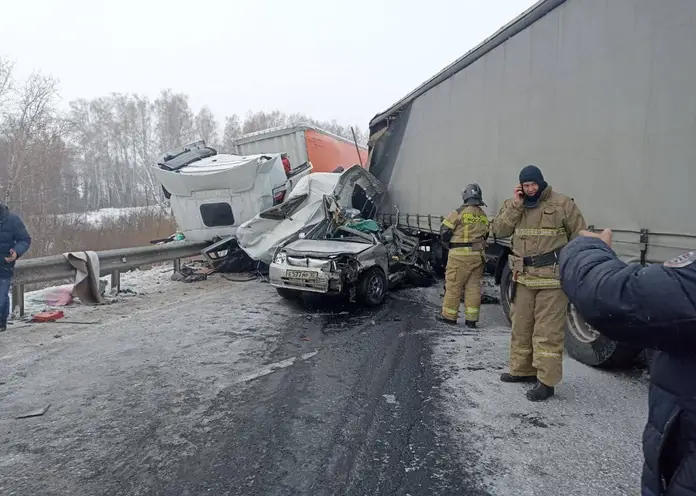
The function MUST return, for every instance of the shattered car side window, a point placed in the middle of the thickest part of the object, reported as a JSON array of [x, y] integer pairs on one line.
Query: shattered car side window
[[284, 210]]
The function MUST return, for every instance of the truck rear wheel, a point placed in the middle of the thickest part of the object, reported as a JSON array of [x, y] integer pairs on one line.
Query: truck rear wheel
[[439, 257], [505, 292], [582, 342], [590, 347]]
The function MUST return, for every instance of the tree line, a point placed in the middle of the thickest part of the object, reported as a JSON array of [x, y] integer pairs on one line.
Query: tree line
[[98, 153]]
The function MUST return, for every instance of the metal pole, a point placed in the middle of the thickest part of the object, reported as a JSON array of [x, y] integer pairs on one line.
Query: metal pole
[[357, 148], [18, 298], [116, 280]]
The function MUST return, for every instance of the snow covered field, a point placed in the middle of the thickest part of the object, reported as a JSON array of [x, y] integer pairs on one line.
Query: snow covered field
[[96, 218]]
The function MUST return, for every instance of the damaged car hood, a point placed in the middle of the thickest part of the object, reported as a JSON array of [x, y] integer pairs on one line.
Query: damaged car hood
[[324, 248], [260, 236]]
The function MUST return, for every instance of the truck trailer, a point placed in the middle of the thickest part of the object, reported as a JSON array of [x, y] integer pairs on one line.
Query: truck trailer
[[303, 143], [598, 93]]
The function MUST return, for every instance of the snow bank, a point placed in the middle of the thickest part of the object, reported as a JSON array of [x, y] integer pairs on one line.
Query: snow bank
[[96, 218]]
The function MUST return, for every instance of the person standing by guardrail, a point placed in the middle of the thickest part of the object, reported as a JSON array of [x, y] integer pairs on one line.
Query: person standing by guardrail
[[14, 242]]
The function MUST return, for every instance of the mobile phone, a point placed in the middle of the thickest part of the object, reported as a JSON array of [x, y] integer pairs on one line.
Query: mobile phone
[[520, 194]]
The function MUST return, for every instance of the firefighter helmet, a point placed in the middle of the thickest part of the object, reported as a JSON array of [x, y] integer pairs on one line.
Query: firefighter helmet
[[472, 195]]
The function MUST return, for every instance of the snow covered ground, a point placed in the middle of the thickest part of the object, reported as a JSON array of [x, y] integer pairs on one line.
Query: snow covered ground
[[173, 347], [96, 218], [585, 441], [136, 281]]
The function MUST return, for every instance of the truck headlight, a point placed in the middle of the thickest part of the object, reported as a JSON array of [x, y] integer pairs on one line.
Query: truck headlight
[[280, 258]]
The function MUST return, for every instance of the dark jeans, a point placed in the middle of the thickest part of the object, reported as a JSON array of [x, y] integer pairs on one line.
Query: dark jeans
[[5, 284]]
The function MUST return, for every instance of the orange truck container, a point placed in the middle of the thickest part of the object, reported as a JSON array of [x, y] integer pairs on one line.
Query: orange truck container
[[304, 143]]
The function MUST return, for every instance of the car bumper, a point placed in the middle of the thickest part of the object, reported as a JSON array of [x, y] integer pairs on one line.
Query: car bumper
[[310, 279]]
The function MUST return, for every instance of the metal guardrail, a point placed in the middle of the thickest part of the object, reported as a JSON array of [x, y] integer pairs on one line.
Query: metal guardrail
[[111, 262]]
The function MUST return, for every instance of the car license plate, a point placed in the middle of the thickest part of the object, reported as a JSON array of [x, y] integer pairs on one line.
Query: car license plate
[[301, 274]]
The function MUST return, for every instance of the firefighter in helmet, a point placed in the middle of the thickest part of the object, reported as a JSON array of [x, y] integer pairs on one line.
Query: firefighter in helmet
[[541, 222], [464, 231]]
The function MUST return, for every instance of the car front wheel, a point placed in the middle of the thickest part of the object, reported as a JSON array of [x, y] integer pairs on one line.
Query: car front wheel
[[372, 287]]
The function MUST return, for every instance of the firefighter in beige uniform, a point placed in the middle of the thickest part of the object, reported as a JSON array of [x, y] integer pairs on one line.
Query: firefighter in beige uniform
[[541, 222], [465, 230]]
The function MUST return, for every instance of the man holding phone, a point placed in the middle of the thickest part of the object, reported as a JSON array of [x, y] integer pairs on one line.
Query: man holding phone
[[14, 242], [541, 222]]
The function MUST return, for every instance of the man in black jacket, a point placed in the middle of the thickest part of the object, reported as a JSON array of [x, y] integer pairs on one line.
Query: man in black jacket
[[14, 242], [652, 307]]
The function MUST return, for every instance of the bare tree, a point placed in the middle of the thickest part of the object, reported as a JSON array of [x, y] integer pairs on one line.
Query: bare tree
[[30, 119], [258, 121], [233, 130], [207, 127], [6, 81], [174, 120]]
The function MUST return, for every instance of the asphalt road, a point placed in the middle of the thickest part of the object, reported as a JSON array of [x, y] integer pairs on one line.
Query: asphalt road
[[223, 388]]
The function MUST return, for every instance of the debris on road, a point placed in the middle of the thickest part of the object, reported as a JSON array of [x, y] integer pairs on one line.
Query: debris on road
[[34, 413], [189, 273], [60, 296], [50, 316], [78, 322], [487, 299]]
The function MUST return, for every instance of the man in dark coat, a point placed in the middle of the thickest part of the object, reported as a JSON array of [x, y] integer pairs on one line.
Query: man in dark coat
[[14, 242], [652, 307]]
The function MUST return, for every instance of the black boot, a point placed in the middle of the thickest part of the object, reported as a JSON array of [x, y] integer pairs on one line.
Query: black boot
[[470, 324], [540, 392], [507, 377]]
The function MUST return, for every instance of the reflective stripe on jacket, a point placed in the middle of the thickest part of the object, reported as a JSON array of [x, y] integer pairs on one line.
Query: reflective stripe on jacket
[[547, 227], [469, 224]]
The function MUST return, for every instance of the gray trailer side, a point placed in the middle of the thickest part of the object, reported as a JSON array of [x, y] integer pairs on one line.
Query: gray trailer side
[[597, 93]]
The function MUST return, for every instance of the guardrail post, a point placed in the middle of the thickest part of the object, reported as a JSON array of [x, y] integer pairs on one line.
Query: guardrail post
[[18, 298], [116, 280], [177, 265]]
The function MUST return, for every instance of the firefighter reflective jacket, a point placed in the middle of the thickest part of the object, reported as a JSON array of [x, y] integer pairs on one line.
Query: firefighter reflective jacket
[[469, 227], [538, 234]]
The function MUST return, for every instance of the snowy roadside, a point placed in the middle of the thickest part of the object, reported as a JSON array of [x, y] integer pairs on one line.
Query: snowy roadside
[[585, 441], [133, 282], [131, 386]]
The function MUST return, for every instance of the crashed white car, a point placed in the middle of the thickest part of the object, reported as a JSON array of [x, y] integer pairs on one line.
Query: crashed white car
[[336, 248]]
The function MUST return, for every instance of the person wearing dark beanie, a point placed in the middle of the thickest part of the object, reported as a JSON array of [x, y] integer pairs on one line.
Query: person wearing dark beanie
[[541, 222], [532, 174]]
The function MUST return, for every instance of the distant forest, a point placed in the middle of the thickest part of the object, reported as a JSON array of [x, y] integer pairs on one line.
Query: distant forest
[[98, 153]]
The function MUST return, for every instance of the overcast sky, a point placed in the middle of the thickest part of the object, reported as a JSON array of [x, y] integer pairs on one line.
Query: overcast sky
[[330, 59]]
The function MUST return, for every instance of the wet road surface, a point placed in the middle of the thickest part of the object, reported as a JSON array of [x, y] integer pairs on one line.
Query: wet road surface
[[224, 388]]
